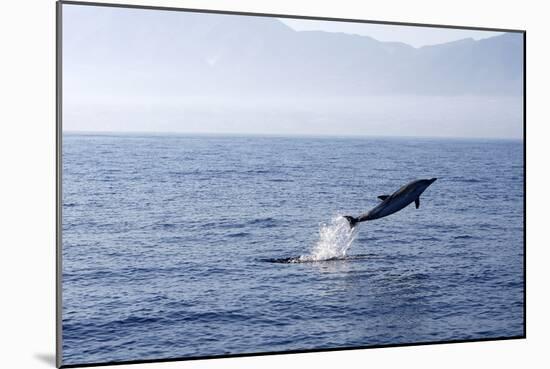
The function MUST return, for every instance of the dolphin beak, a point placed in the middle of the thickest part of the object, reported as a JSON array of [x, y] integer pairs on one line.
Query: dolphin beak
[[433, 180]]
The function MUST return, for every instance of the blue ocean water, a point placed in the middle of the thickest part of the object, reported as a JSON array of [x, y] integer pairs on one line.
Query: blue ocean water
[[182, 246]]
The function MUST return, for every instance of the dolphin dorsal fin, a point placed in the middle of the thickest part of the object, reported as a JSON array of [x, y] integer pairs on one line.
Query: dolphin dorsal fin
[[383, 197], [417, 202]]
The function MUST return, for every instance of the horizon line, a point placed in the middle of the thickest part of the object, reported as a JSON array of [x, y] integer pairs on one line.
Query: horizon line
[[284, 135]]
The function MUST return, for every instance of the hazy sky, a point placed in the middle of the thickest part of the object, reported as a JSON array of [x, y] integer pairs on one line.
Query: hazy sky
[[411, 35], [140, 70]]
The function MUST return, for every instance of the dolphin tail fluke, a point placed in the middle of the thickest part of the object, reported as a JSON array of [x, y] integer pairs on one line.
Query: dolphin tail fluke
[[351, 220]]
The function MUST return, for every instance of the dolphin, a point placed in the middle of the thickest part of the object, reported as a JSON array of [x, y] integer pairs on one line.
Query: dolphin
[[396, 201]]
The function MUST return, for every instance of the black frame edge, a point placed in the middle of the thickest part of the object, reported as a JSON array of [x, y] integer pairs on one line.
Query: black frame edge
[[292, 352], [292, 16], [525, 184], [58, 190]]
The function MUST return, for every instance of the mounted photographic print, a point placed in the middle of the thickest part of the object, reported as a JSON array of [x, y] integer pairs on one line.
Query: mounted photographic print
[[238, 184]]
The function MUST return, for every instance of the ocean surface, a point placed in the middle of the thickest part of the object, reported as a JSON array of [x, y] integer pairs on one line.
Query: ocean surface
[[183, 246]]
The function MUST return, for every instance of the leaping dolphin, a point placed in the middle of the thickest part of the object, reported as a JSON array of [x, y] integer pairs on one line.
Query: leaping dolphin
[[396, 201]]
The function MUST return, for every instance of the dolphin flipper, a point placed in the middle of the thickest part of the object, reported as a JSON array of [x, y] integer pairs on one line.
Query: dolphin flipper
[[417, 202]]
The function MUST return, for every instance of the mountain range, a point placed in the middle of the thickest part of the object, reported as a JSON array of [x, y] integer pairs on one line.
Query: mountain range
[[194, 54]]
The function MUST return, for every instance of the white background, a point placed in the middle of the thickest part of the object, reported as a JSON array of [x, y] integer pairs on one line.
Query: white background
[[27, 206]]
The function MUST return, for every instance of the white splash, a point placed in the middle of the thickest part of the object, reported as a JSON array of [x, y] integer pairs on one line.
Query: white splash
[[335, 239]]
